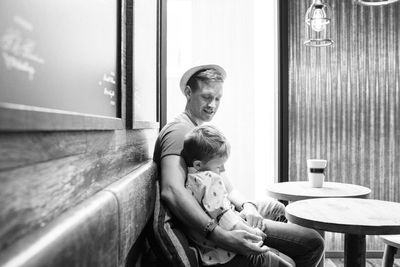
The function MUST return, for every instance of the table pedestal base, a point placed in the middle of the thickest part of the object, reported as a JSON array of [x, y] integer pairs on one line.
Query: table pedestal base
[[354, 247], [388, 256]]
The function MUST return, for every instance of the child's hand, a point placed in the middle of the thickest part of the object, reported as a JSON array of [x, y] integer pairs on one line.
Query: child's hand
[[254, 231], [259, 244], [260, 233], [250, 214]]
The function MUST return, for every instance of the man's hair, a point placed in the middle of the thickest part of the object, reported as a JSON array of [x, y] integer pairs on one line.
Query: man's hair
[[205, 76], [204, 143]]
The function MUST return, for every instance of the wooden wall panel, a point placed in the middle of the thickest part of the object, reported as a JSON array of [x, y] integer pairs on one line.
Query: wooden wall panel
[[44, 174], [22, 148], [344, 99]]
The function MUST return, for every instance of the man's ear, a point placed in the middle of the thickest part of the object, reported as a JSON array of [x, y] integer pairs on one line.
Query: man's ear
[[197, 164], [188, 91]]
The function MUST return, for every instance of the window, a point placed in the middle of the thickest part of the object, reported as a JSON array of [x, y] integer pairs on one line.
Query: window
[[238, 35]]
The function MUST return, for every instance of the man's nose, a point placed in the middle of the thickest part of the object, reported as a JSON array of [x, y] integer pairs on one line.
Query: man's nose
[[212, 103]]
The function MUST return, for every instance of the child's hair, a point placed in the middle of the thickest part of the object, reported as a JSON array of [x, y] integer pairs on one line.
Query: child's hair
[[204, 143]]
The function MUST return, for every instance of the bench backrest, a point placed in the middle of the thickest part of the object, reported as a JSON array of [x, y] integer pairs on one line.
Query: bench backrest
[[98, 232]]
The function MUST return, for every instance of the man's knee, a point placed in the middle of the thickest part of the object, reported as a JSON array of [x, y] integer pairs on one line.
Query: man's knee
[[321, 244], [317, 244]]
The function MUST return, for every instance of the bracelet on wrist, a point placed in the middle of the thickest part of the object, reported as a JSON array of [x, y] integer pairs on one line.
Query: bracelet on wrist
[[209, 228], [248, 202], [218, 218]]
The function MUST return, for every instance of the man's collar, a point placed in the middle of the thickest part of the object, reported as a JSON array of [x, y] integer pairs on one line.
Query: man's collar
[[190, 118]]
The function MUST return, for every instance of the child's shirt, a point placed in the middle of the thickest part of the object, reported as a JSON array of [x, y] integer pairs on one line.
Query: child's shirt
[[209, 190]]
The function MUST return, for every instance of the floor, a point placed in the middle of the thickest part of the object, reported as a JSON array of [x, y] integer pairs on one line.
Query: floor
[[337, 262]]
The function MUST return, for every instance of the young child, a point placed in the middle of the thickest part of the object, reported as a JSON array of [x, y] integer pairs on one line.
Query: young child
[[205, 152]]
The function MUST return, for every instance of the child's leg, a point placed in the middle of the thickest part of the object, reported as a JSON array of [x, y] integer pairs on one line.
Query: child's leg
[[267, 259], [284, 257], [272, 209]]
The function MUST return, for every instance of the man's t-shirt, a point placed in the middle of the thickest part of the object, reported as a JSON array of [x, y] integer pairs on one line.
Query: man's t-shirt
[[171, 137]]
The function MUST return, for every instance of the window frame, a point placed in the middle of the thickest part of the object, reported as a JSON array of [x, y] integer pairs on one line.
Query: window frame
[[283, 90]]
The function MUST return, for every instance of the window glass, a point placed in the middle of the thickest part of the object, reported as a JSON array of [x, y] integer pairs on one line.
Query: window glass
[[239, 36], [145, 60]]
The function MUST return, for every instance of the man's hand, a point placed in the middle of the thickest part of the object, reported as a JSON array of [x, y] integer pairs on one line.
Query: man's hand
[[252, 217], [242, 242], [242, 225]]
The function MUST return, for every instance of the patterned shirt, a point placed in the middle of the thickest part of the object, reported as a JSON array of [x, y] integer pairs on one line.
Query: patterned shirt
[[209, 190]]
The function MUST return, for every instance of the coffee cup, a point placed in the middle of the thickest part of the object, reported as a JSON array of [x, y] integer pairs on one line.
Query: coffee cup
[[316, 172]]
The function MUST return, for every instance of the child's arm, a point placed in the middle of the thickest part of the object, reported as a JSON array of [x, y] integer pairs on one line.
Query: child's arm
[[207, 187]]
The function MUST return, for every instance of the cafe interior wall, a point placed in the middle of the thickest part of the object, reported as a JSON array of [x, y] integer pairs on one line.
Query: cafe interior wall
[[344, 103]]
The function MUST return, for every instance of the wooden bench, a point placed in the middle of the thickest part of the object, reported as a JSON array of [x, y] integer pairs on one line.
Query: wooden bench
[[136, 197], [87, 235], [100, 231], [392, 244]]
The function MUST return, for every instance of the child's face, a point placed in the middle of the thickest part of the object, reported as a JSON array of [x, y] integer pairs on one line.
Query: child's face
[[215, 165]]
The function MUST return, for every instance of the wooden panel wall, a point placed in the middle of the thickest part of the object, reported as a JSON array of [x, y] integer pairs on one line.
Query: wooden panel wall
[[344, 99], [43, 174]]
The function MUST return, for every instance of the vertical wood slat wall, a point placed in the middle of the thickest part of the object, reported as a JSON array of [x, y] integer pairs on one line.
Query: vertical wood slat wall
[[344, 100]]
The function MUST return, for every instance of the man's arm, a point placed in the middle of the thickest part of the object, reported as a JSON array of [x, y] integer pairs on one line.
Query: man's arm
[[177, 197], [186, 208]]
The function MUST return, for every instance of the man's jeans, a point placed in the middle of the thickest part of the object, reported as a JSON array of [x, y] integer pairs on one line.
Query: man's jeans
[[305, 246]]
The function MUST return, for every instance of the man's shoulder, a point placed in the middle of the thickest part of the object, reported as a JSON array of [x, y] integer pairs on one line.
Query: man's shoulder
[[179, 127], [171, 138]]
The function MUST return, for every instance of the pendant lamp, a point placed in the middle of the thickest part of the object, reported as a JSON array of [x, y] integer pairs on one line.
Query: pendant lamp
[[317, 25]]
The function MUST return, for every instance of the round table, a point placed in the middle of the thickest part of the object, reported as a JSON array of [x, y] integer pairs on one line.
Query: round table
[[355, 217], [293, 191], [299, 190]]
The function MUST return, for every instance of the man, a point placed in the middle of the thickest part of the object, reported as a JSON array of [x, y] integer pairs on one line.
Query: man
[[203, 89]]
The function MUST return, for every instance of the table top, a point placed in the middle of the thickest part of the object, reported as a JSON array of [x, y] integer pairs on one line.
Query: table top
[[293, 191], [347, 215]]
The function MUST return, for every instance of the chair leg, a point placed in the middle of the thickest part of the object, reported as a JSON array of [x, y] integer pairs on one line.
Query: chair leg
[[388, 256]]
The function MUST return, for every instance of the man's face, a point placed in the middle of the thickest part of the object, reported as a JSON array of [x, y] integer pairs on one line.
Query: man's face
[[204, 103]]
